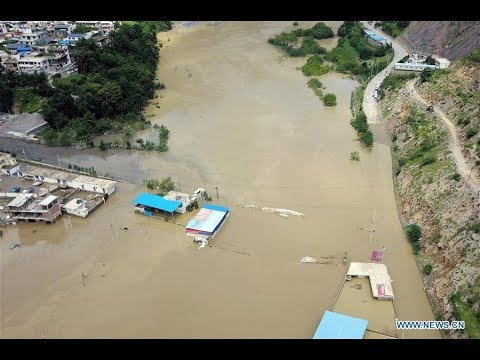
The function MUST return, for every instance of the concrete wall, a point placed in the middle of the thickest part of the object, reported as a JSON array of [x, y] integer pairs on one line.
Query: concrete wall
[[11, 171]]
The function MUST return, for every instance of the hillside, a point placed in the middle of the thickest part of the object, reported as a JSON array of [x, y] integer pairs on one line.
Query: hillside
[[432, 194], [451, 39], [456, 92]]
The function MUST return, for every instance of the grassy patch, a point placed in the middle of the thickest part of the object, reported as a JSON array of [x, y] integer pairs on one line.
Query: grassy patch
[[465, 313], [27, 100]]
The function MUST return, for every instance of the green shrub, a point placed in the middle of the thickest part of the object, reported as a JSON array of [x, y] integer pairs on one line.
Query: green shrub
[[315, 66], [354, 155], [428, 160], [314, 83], [367, 138], [456, 176], [310, 46], [414, 232], [330, 99], [475, 228], [427, 269], [471, 132], [416, 247]]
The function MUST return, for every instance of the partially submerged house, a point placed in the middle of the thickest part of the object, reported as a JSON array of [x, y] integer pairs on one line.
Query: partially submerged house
[[77, 207], [338, 326], [150, 205], [208, 221], [380, 280], [27, 208], [68, 179]]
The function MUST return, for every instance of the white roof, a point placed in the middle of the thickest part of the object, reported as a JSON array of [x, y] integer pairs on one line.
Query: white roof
[[47, 200], [378, 275], [20, 200], [74, 204], [176, 196]]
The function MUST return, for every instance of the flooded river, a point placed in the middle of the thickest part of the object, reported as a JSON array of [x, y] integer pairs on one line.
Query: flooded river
[[241, 119]]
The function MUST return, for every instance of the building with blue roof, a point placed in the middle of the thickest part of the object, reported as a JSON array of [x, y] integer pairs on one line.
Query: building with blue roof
[[208, 221], [149, 204], [374, 37], [338, 326]]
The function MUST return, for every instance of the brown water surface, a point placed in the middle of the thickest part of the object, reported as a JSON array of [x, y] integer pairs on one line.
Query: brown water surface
[[245, 122]]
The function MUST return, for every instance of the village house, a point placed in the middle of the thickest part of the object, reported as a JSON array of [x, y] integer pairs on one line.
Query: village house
[[27, 208], [66, 179]]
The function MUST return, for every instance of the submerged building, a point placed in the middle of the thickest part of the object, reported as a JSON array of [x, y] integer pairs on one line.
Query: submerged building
[[28, 208]]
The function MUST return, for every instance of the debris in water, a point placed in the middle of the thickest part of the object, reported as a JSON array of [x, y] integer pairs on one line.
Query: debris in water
[[308, 260], [357, 286], [251, 206], [13, 246], [99, 263], [283, 215], [241, 252], [281, 211], [124, 228]]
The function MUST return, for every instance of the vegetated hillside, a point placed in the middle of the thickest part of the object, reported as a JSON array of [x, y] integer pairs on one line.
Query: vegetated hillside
[[456, 91], [451, 39], [432, 195]]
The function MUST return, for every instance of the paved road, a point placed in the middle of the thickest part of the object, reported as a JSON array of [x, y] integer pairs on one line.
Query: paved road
[[463, 168], [369, 104]]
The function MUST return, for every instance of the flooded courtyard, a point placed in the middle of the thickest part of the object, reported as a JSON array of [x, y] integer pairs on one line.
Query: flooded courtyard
[[241, 119]]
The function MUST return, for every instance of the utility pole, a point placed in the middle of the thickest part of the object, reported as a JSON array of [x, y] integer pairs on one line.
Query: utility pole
[[216, 188]]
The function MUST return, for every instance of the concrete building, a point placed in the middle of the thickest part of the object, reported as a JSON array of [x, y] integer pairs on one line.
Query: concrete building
[[105, 26], [407, 66], [442, 63], [50, 59], [183, 198], [380, 280], [67, 179], [62, 30], [374, 38], [77, 207], [73, 38], [29, 38], [8, 164], [25, 207]]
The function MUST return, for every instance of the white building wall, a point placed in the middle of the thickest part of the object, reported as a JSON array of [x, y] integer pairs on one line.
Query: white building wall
[[11, 171]]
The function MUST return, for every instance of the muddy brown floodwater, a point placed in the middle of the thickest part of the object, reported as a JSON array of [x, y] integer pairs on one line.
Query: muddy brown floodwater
[[244, 121]]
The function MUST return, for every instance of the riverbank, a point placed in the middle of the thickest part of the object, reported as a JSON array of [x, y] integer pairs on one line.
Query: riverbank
[[431, 194]]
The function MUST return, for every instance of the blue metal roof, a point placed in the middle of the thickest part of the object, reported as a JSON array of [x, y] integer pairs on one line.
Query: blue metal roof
[[374, 36], [156, 202], [215, 207], [338, 326]]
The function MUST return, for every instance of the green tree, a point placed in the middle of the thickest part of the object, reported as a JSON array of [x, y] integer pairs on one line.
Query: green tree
[[426, 75], [167, 184], [82, 29], [330, 99], [414, 232]]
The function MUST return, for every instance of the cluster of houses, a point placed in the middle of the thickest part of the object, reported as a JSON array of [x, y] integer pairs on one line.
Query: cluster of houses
[[83, 193], [44, 46]]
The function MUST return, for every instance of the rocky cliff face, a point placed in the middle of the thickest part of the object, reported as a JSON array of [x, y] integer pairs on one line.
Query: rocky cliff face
[[432, 196], [456, 91], [450, 39]]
